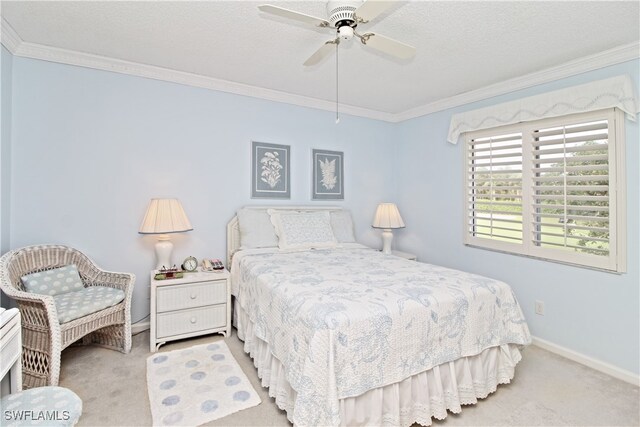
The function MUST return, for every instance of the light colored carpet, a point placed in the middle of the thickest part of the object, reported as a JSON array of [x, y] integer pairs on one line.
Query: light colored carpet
[[548, 390]]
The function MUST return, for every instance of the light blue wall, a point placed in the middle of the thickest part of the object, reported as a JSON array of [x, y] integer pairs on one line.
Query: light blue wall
[[90, 148], [591, 312], [6, 71]]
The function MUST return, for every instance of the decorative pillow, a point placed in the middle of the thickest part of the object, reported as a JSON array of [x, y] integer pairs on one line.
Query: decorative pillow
[[303, 230], [58, 281], [342, 225], [256, 229]]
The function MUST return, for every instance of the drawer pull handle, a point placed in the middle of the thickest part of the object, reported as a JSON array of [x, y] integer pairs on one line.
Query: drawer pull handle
[[194, 296], [193, 320]]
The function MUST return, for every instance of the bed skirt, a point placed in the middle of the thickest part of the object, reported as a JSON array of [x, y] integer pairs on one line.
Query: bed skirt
[[418, 398]]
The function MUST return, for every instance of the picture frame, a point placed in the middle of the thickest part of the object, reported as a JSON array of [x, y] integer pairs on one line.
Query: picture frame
[[327, 179], [270, 171]]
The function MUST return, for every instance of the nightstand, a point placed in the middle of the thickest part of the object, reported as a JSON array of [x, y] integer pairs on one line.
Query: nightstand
[[406, 255], [197, 304], [11, 347]]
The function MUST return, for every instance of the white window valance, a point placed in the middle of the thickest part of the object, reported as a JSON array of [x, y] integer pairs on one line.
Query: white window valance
[[613, 92]]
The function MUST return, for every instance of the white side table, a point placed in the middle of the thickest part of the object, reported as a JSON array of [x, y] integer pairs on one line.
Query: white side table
[[406, 255], [197, 304], [11, 347]]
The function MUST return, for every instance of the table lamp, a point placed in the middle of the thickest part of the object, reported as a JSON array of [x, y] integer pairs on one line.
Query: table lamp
[[387, 218], [164, 217]]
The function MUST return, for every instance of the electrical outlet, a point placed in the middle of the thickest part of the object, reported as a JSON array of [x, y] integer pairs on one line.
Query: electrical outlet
[[540, 308]]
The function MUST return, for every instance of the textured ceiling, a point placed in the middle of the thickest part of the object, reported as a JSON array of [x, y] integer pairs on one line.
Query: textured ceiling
[[461, 46]]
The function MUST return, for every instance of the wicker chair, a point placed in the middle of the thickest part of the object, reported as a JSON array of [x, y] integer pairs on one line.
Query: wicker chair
[[43, 337]]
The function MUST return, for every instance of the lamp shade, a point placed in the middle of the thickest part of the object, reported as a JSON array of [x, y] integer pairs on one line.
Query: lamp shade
[[165, 216], [387, 216]]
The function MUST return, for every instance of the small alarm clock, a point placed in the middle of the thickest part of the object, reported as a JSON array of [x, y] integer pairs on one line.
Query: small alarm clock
[[190, 264]]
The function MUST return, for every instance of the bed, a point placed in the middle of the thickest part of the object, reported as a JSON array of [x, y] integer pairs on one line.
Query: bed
[[342, 334]]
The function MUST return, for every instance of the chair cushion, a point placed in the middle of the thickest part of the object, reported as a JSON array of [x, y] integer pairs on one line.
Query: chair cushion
[[42, 406], [74, 305], [58, 281]]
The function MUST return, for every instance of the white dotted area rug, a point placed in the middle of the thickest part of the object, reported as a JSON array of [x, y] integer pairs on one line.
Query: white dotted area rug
[[196, 385]]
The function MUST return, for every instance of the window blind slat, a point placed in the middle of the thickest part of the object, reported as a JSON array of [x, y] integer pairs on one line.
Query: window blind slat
[[575, 129], [494, 180], [571, 198], [492, 148], [571, 187], [509, 221], [572, 227], [496, 173], [497, 187], [568, 139], [497, 139], [515, 205], [578, 149], [572, 217], [571, 178], [572, 169], [494, 155], [573, 208], [495, 227], [572, 159], [568, 236]]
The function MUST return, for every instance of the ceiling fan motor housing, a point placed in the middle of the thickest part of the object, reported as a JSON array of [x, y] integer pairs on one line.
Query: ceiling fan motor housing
[[341, 13]]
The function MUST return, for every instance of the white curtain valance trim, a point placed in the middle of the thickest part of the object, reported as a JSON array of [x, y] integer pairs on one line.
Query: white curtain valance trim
[[613, 92]]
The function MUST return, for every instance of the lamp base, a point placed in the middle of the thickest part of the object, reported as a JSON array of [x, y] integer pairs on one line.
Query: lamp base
[[164, 247], [387, 237]]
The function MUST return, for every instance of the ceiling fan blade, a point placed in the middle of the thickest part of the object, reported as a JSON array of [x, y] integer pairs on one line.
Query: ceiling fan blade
[[389, 46], [370, 9], [286, 13], [324, 51]]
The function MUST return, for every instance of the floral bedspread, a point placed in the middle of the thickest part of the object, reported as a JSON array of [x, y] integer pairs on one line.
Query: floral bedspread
[[344, 321]]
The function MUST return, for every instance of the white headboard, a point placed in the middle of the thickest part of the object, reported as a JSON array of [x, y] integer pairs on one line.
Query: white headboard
[[233, 229]]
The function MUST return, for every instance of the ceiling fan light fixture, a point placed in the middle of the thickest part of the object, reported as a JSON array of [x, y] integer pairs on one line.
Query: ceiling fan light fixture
[[345, 32]]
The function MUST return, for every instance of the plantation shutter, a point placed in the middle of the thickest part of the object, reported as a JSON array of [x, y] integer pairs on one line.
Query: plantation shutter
[[494, 193], [571, 193], [552, 189]]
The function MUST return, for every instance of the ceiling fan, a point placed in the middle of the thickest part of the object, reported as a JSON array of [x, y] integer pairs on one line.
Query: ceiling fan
[[344, 17]]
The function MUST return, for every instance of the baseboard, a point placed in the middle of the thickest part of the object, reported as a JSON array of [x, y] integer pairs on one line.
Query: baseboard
[[596, 364], [138, 327]]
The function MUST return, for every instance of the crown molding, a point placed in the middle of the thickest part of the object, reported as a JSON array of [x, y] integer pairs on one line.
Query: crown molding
[[12, 41], [613, 56], [8, 37], [18, 47]]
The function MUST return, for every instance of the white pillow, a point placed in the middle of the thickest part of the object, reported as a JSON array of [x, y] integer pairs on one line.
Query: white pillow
[[256, 229], [303, 230], [342, 226]]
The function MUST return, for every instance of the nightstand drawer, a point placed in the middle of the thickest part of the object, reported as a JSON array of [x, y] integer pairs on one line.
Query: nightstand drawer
[[178, 297], [193, 320]]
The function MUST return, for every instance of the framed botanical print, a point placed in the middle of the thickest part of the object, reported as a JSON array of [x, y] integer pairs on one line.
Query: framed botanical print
[[270, 178], [328, 175]]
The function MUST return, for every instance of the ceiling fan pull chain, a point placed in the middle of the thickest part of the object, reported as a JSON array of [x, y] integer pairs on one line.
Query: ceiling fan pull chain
[[337, 81]]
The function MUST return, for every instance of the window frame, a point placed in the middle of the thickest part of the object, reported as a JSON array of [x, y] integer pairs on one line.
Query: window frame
[[616, 260]]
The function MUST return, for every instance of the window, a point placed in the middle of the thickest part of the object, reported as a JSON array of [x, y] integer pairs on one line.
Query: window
[[551, 189]]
